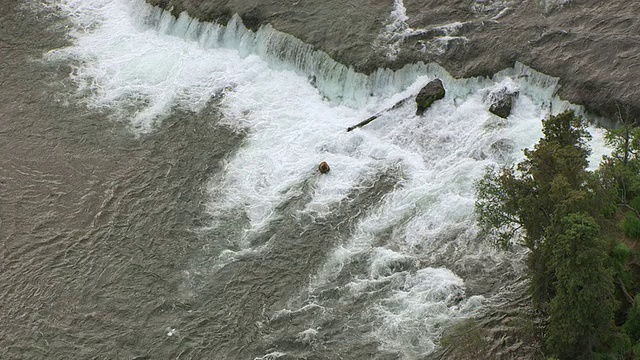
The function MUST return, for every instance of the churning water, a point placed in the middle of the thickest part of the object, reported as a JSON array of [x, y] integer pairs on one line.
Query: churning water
[[374, 259]]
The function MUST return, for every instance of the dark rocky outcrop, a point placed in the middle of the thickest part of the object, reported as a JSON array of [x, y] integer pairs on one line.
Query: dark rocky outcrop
[[593, 46], [502, 102], [431, 92]]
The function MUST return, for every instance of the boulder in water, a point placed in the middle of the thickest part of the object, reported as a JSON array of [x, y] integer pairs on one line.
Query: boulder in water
[[501, 149], [502, 102], [431, 92]]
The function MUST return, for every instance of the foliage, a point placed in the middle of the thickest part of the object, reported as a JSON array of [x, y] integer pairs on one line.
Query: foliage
[[631, 221], [550, 183], [631, 225], [581, 313], [554, 173], [632, 326], [569, 218], [620, 347], [621, 169], [497, 205], [620, 254], [625, 142], [636, 351]]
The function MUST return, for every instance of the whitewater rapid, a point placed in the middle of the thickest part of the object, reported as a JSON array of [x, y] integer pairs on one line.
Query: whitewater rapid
[[415, 248]]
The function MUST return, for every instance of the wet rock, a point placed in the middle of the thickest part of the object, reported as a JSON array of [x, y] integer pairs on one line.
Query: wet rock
[[431, 92], [400, 265], [502, 102], [501, 149], [386, 267], [312, 80]]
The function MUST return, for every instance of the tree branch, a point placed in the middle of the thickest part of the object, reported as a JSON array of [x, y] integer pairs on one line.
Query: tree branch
[[631, 209]]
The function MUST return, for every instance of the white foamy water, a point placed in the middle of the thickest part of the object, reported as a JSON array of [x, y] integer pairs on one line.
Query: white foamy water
[[139, 63]]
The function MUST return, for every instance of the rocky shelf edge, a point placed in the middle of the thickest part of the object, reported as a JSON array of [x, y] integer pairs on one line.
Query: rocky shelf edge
[[592, 46]]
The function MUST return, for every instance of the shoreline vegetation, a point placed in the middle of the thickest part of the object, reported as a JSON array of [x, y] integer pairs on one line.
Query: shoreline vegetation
[[582, 230]]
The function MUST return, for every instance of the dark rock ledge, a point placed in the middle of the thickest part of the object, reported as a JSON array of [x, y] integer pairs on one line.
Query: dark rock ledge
[[593, 46]]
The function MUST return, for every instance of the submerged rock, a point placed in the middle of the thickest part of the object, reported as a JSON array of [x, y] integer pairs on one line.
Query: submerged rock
[[502, 149], [502, 102], [431, 92]]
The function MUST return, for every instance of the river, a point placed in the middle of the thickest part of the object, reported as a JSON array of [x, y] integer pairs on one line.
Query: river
[[159, 194]]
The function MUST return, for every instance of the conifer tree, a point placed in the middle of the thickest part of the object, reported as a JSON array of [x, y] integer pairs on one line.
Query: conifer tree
[[549, 184], [581, 313]]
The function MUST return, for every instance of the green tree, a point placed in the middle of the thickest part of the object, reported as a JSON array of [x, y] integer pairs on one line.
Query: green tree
[[551, 204], [631, 326], [555, 172], [581, 313], [550, 183], [620, 172]]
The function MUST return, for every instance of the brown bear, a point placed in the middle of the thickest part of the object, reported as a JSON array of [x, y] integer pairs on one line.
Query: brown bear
[[324, 167]]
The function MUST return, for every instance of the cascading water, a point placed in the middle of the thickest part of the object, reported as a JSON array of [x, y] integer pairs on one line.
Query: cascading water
[[386, 241]]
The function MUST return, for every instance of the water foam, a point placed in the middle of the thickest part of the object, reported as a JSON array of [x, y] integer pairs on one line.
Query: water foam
[[130, 56], [430, 295], [134, 73]]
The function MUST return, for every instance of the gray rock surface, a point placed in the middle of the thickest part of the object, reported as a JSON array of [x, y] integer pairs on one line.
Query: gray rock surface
[[502, 149], [431, 92], [593, 46]]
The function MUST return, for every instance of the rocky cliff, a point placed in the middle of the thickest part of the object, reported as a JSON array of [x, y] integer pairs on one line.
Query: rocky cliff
[[593, 46]]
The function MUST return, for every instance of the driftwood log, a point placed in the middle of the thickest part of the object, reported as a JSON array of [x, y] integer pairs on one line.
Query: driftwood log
[[365, 122], [377, 115]]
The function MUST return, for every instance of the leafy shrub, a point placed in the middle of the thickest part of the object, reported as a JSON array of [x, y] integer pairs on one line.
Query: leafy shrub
[[636, 351], [632, 326], [609, 211], [631, 225], [620, 347], [620, 252]]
